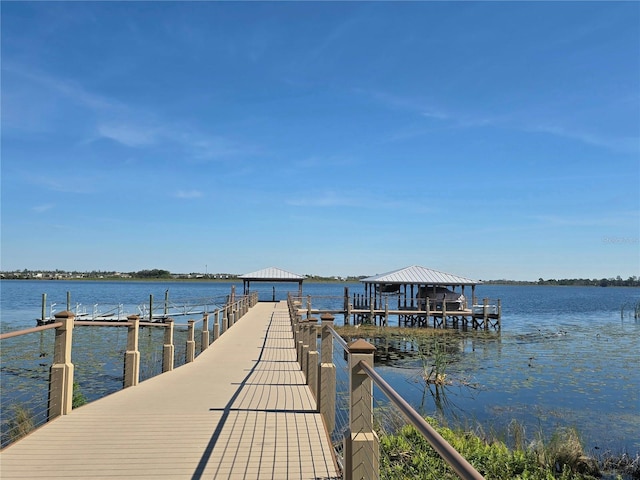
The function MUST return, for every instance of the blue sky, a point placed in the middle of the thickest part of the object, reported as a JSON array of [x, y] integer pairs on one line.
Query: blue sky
[[489, 140]]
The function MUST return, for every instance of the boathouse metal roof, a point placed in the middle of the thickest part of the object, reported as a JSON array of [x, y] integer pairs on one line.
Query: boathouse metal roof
[[272, 274], [419, 276]]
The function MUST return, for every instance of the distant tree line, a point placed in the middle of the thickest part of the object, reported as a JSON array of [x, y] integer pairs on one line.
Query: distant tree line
[[155, 273], [602, 282], [633, 281]]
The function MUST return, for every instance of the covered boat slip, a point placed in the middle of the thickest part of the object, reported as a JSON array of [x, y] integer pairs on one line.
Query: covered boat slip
[[271, 275], [417, 295]]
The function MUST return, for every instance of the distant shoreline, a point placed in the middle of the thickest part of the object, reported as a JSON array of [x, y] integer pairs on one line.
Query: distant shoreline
[[546, 283]]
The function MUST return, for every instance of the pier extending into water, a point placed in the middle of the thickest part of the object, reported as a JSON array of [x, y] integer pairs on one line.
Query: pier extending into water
[[261, 401]]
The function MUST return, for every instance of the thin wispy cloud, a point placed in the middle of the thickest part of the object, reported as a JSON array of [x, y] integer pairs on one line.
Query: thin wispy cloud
[[616, 219], [127, 125], [514, 120], [326, 199], [43, 208], [617, 144], [71, 90], [128, 135], [188, 194], [332, 199], [75, 184], [325, 161]]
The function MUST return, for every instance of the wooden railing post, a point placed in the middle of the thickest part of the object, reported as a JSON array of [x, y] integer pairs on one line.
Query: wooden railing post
[[191, 342], [304, 353], [168, 348], [295, 318], [224, 325], [216, 325], [232, 315], [205, 333], [312, 357], [299, 340], [61, 372], [326, 398], [361, 445], [132, 355]]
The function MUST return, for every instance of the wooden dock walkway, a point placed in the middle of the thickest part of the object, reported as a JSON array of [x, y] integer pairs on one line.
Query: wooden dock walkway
[[241, 410]]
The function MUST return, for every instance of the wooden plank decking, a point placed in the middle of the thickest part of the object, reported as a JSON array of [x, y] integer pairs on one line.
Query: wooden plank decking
[[241, 410]]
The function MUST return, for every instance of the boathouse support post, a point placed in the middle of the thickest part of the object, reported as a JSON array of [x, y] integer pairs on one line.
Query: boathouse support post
[[444, 312], [326, 399], [361, 444], [485, 311], [168, 348], [61, 372], [132, 355], [386, 311], [372, 315], [216, 325], [205, 332], [312, 357], [191, 342], [44, 307]]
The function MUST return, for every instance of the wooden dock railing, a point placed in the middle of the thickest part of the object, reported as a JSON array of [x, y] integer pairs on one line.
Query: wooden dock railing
[[487, 314], [360, 445], [61, 372]]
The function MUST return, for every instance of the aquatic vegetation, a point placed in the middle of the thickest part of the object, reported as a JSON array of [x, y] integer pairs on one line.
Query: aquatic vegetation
[[406, 454], [78, 397], [21, 423]]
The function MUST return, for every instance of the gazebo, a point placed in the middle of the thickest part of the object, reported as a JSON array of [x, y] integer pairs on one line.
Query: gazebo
[[414, 284], [271, 275]]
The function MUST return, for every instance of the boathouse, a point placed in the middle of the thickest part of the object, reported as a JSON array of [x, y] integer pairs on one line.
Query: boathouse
[[417, 294], [271, 275], [413, 285]]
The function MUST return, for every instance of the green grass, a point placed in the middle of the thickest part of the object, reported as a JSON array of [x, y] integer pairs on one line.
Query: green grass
[[406, 454]]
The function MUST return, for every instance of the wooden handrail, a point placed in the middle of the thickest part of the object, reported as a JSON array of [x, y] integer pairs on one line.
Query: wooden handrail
[[41, 328], [450, 455]]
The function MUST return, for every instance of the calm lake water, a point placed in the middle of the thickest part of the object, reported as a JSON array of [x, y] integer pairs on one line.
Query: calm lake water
[[565, 356]]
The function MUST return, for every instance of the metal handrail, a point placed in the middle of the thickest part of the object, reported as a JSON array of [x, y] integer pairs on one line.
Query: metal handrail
[[341, 341], [450, 455]]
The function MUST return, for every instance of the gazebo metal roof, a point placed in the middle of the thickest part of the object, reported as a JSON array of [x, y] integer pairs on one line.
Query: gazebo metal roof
[[418, 275], [272, 274]]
